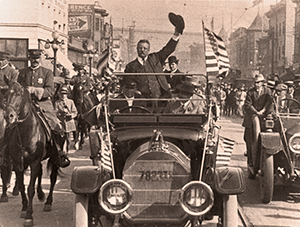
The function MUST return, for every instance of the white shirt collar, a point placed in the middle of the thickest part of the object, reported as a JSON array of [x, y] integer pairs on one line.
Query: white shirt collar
[[35, 68], [141, 61]]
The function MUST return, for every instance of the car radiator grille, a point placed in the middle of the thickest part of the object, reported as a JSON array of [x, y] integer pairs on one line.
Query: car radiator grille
[[156, 179]]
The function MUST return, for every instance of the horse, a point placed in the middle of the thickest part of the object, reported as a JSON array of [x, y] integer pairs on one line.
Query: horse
[[27, 145], [5, 164], [84, 101]]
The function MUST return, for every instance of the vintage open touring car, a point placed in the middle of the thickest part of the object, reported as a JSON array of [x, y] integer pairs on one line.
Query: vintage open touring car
[[276, 148], [155, 169]]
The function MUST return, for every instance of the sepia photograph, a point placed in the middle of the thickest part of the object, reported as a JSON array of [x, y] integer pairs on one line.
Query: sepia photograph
[[150, 113]]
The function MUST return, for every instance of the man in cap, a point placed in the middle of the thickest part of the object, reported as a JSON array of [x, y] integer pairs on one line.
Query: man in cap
[[7, 73], [66, 112], [290, 90], [155, 86], [281, 94], [173, 65], [39, 81], [258, 102], [185, 103], [128, 97]]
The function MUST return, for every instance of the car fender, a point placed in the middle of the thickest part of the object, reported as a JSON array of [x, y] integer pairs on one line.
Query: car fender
[[86, 179], [229, 180], [270, 142]]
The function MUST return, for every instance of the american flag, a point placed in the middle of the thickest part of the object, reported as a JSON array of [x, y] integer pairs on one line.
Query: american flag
[[216, 57], [106, 157], [225, 148]]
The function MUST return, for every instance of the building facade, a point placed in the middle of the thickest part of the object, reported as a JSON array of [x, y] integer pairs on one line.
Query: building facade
[[27, 26]]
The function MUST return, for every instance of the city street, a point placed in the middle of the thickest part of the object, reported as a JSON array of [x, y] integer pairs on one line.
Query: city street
[[280, 212]]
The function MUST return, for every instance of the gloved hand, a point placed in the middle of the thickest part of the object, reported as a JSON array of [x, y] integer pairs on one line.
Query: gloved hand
[[37, 91]]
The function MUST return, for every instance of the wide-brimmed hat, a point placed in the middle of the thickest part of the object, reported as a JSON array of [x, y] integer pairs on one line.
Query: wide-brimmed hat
[[172, 59], [185, 87], [64, 90], [3, 55], [177, 21], [281, 87], [259, 78], [289, 83], [271, 84], [34, 53]]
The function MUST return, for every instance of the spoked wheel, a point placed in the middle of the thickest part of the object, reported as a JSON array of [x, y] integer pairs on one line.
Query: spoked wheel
[[267, 177], [230, 211], [81, 210]]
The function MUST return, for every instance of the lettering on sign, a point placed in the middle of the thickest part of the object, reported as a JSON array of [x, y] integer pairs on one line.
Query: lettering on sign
[[75, 8], [78, 23], [156, 175]]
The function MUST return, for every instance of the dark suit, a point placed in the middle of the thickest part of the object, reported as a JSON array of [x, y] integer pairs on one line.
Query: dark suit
[[119, 104], [174, 80], [253, 104], [154, 64]]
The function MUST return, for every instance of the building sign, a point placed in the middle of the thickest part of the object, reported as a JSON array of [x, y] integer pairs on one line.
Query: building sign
[[78, 23], [76, 8]]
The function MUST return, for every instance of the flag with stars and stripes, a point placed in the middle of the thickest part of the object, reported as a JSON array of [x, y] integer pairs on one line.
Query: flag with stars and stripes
[[106, 156], [216, 57], [224, 151]]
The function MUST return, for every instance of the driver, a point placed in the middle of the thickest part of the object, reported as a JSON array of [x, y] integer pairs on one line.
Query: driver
[[258, 102], [128, 97]]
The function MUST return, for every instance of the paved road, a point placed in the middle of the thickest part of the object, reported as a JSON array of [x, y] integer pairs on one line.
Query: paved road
[[279, 212]]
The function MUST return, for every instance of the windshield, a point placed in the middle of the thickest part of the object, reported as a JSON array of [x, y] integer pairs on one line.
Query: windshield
[[132, 98]]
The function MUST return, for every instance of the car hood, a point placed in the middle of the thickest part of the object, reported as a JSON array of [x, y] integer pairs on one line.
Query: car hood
[[133, 133]]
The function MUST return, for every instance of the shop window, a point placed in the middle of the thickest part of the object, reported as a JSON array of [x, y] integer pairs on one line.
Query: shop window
[[17, 48]]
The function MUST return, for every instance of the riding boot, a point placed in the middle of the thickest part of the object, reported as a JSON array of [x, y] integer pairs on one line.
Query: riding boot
[[58, 144]]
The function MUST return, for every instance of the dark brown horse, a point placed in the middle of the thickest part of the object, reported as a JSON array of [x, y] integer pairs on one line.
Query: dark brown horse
[[27, 146], [84, 101]]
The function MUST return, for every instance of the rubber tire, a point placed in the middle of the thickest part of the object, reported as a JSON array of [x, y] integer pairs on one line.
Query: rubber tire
[[267, 178], [254, 149], [230, 211], [81, 210]]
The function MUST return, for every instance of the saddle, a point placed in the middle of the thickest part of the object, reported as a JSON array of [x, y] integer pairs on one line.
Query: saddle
[[44, 122]]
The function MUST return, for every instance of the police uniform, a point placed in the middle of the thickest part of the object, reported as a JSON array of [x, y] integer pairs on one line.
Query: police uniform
[[7, 73], [40, 82]]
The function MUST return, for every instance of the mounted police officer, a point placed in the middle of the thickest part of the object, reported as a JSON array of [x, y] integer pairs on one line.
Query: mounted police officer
[[39, 81], [7, 73]]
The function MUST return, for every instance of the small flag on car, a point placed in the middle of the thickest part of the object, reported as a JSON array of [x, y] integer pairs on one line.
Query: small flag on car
[[105, 154], [225, 148]]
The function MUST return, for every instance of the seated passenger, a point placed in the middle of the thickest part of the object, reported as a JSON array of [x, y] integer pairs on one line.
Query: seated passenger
[[192, 105], [129, 95]]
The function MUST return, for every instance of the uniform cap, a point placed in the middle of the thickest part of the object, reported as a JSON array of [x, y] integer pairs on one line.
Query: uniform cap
[[64, 90], [34, 53]]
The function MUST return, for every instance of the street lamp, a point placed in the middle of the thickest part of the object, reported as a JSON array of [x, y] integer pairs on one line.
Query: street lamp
[[91, 53], [55, 43]]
